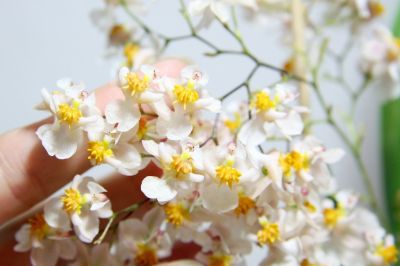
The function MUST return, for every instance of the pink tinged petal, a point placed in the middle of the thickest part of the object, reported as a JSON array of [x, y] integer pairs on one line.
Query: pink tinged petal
[[151, 147], [59, 140], [123, 113], [219, 198], [86, 225], [55, 215], [67, 249], [292, 125], [156, 188]]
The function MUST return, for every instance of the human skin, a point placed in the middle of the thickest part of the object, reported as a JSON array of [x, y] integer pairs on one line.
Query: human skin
[[28, 175]]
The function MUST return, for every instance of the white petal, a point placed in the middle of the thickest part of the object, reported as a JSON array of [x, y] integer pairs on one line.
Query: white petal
[[126, 159], [292, 125], [332, 155], [124, 113], [219, 198], [23, 239], [220, 10], [47, 256], [197, 7], [157, 188], [134, 229], [67, 249], [86, 225], [105, 211], [55, 215], [196, 177], [59, 140], [180, 263], [252, 133], [151, 147], [95, 188], [179, 127]]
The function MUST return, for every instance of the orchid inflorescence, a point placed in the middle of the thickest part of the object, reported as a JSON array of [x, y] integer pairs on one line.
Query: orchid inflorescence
[[225, 186]]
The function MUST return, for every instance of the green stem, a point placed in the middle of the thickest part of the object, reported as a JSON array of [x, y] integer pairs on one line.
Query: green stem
[[115, 215]]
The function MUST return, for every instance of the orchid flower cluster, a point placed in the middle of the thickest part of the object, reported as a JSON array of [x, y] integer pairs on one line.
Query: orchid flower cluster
[[224, 184]]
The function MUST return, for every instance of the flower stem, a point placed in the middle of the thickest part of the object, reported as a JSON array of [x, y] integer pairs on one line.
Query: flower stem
[[130, 209]]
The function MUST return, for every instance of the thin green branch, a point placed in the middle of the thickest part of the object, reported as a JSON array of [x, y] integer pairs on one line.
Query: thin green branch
[[130, 209]]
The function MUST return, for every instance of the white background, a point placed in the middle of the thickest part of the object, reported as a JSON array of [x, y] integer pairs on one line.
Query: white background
[[42, 41]]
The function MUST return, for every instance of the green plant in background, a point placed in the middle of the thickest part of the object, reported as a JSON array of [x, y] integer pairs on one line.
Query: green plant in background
[[391, 152]]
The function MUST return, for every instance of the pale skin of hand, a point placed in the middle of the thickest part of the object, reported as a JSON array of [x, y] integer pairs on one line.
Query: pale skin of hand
[[29, 175]]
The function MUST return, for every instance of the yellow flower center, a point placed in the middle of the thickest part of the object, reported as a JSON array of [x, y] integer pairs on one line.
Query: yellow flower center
[[269, 233], [234, 124], [333, 215], [306, 262], [263, 102], [310, 207], [290, 65], [219, 260], [176, 213], [145, 256], [245, 204], [99, 150], [186, 95], [72, 201], [69, 114], [136, 84], [39, 227], [388, 254], [118, 34], [295, 160], [130, 52], [182, 164], [376, 8], [227, 174], [142, 128]]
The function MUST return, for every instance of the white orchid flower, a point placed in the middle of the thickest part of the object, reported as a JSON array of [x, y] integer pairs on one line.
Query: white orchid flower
[[187, 98], [141, 242], [181, 167], [47, 244], [115, 151], [74, 112], [83, 203], [273, 115]]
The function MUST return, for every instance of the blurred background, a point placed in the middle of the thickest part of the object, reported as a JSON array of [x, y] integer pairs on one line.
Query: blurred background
[[42, 41]]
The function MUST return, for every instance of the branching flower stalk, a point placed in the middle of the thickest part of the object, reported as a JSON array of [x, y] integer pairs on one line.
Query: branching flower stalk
[[355, 95]]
